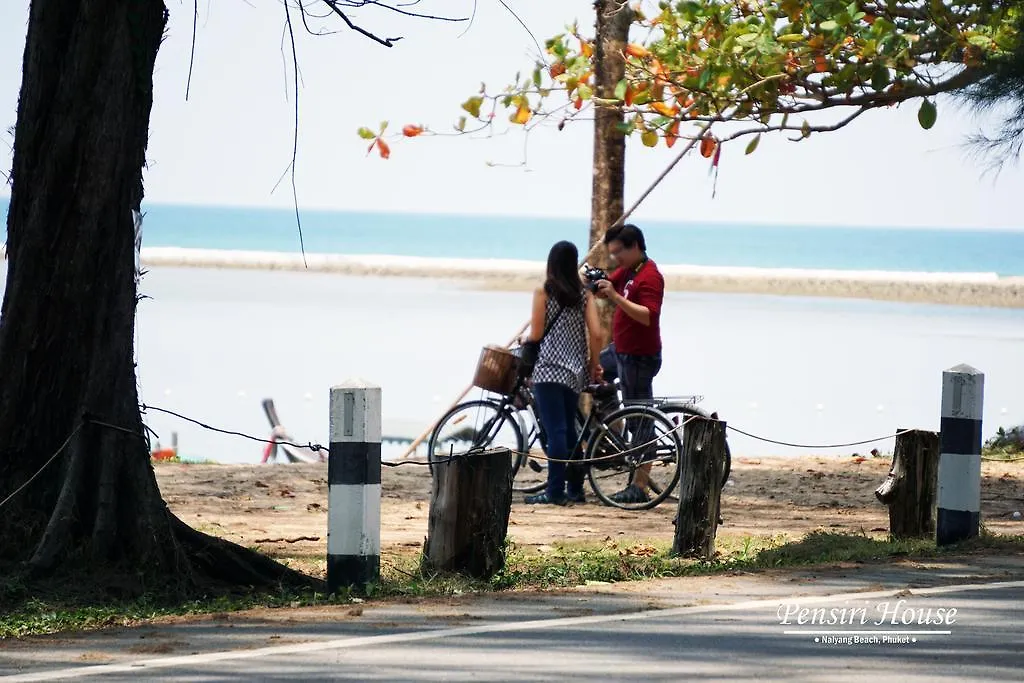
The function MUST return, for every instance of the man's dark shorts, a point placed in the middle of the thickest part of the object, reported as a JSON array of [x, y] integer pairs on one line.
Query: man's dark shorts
[[635, 373]]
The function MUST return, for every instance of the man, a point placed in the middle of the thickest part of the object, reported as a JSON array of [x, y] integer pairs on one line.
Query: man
[[636, 288]]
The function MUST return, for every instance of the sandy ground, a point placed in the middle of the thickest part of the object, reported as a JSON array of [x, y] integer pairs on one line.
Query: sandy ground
[[509, 275], [271, 506]]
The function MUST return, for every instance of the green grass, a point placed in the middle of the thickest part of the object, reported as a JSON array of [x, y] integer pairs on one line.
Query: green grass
[[26, 612]]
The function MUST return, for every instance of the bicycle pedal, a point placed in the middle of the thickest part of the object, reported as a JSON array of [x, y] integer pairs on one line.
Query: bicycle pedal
[[535, 466]]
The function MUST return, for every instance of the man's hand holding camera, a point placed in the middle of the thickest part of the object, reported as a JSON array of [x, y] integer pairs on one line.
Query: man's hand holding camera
[[604, 289]]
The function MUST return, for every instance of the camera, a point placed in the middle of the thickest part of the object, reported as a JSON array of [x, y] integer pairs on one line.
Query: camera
[[593, 275]]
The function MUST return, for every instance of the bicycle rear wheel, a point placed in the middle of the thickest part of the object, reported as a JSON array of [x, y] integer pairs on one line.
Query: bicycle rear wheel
[[678, 413], [636, 445], [476, 424]]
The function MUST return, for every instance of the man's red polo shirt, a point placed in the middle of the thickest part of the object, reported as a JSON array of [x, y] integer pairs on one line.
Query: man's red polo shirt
[[646, 288]]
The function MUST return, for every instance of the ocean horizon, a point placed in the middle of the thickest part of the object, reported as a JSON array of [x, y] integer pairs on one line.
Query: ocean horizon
[[528, 238]]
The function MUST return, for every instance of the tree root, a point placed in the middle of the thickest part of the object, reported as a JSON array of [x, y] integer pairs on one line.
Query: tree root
[[231, 563]]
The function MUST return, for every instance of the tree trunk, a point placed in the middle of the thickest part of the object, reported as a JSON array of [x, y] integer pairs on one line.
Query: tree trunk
[[607, 196], [700, 489], [469, 510], [68, 316], [910, 487]]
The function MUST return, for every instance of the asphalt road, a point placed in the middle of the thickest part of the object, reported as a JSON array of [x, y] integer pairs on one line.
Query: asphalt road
[[983, 640]]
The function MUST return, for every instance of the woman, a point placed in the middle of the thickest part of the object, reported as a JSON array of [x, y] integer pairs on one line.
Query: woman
[[566, 324]]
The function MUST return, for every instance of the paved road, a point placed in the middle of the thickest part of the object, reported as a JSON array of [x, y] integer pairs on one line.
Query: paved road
[[983, 640]]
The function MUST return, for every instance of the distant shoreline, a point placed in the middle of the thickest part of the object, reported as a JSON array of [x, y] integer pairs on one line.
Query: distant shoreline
[[962, 289]]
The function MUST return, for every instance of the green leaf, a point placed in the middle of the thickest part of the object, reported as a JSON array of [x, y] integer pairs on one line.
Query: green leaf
[[705, 77], [927, 114], [625, 127], [383, 127], [649, 138], [880, 79], [472, 105], [461, 126], [366, 134], [620, 89], [753, 144], [980, 41], [805, 129], [829, 25], [584, 91], [536, 77], [791, 38]]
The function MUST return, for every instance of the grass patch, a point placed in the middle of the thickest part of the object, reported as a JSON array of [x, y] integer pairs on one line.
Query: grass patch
[[1007, 444], [178, 460], [566, 565]]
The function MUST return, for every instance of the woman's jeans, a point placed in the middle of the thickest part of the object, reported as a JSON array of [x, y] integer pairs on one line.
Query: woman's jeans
[[556, 408]]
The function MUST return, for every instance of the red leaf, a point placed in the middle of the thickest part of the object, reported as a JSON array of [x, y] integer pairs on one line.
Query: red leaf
[[383, 148]]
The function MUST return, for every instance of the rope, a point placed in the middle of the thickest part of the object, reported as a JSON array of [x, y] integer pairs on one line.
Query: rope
[[45, 465], [801, 445]]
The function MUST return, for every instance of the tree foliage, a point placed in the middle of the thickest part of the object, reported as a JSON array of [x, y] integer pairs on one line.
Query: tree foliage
[[748, 67]]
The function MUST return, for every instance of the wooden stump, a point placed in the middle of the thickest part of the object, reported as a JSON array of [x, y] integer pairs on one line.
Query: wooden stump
[[469, 509], [910, 488], [700, 488]]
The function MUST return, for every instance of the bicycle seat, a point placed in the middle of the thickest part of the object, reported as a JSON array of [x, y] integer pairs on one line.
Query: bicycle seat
[[602, 390]]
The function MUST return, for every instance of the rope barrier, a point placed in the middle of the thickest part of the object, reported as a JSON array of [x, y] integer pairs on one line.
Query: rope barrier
[[316, 447]]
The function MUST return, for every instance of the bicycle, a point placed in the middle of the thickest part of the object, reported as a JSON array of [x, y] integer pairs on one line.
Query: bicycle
[[613, 445]]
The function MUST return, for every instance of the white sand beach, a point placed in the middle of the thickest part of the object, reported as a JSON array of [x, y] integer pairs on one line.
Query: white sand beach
[[962, 289]]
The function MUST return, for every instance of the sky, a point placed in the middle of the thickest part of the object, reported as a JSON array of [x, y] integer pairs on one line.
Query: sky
[[230, 141]]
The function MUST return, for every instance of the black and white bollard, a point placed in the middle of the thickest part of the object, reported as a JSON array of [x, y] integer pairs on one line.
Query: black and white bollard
[[959, 499], [353, 478]]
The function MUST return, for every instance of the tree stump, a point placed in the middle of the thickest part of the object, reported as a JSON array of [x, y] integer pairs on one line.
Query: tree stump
[[700, 488], [469, 510], [910, 488]]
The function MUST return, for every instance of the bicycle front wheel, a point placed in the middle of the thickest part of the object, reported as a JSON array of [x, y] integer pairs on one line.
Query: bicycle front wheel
[[475, 424], [633, 458]]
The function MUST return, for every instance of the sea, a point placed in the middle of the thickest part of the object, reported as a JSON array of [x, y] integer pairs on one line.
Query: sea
[[831, 247], [819, 375]]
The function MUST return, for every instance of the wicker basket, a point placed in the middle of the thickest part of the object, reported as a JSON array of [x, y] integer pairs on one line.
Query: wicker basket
[[496, 370]]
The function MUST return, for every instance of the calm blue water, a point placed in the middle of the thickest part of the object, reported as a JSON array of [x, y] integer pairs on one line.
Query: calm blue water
[[845, 248]]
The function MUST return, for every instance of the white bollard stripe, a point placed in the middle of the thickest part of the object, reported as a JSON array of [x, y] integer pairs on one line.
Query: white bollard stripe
[[963, 389], [960, 482], [353, 519], [356, 413]]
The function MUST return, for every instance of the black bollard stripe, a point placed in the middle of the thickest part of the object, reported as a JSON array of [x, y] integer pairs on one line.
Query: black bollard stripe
[[953, 526], [344, 571], [353, 463], [960, 436]]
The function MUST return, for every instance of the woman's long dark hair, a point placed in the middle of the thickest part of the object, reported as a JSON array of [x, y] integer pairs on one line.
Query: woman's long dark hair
[[563, 281]]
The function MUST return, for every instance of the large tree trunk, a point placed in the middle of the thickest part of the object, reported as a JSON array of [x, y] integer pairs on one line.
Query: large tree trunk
[[607, 196], [68, 317]]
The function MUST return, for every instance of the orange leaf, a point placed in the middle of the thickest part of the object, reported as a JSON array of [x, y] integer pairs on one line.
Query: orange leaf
[[820, 64], [707, 146], [383, 148], [664, 109], [634, 50], [412, 131], [585, 78], [629, 96], [672, 135], [522, 115], [557, 69], [586, 49]]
